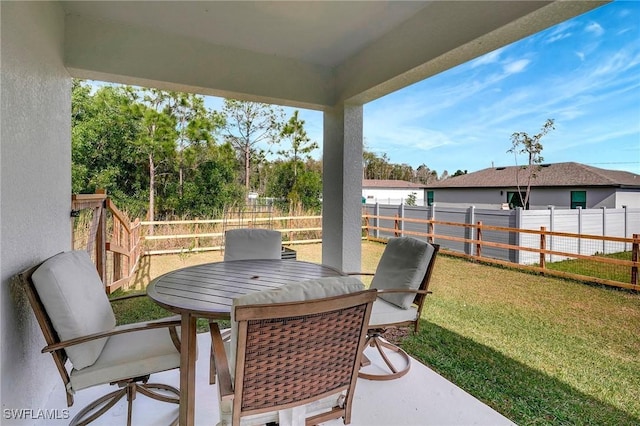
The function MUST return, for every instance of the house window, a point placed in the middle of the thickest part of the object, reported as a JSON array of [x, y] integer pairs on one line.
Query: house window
[[429, 198], [515, 200], [578, 199]]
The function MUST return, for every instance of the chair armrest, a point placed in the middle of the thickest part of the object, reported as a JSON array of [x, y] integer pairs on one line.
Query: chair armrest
[[129, 328], [221, 363], [402, 290]]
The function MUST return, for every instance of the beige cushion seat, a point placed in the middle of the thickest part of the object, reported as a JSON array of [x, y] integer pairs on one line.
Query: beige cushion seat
[[123, 357], [384, 312], [78, 323], [402, 279]]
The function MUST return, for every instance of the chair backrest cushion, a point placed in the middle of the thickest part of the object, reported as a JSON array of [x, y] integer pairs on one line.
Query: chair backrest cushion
[[318, 288], [75, 300], [403, 265], [252, 243]]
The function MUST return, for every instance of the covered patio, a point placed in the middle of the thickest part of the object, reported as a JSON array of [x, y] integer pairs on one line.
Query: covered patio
[[422, 397], [332, 57]]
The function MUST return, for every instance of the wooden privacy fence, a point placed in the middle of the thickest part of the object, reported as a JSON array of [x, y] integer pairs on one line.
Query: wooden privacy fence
[[556, 253], [110, 238]]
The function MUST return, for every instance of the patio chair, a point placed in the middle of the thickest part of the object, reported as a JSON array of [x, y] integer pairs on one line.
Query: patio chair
[[294, 353], [252, 243], [401, 280], [75, 315]]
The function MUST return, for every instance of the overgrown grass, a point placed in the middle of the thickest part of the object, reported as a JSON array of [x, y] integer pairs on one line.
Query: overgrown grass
[[539, 350]]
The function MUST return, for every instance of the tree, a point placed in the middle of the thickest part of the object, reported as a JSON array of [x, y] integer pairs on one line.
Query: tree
[[248, 124], [425, 175], [103, 153], [301, 144], [157, 141], [411, 199], [303, 190], [522, 143], [195, 126], [459, 173]]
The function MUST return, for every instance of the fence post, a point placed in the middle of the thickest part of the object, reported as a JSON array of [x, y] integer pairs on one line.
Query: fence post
[[433, 225], [196, 230], [552, 217], [543, 246], [580, 229], [634, 257], [626, 226], [376, 223], [117, 257], [604, 228], [479, 238], [518, 236], [101, 239], [401, 213], [469, 230]]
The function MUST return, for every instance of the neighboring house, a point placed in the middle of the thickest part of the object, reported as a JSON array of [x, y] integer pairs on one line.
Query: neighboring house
[[386, 191], [562, 185]]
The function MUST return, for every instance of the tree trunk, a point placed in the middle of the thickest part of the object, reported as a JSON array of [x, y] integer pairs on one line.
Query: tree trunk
[[247, 168], [152, 188]]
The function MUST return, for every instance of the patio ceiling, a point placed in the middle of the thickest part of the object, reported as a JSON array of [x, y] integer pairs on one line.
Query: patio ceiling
[[311, 54]]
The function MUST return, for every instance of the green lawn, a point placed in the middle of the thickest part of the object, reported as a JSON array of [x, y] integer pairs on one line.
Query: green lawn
[[539, 350], [596, 269]]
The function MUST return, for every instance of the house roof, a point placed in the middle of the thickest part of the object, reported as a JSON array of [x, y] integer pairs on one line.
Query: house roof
[[557, 174], [390, 184]]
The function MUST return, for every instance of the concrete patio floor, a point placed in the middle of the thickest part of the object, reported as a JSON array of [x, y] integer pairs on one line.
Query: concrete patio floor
[[422, 397]]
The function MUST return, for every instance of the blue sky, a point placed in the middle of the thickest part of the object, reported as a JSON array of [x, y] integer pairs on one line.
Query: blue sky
[[583, 73]]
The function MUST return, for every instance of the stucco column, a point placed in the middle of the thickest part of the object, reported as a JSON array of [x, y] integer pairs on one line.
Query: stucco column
[[342, 187]]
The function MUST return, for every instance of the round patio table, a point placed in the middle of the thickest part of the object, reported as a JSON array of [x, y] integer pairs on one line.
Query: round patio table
[[208, 291]]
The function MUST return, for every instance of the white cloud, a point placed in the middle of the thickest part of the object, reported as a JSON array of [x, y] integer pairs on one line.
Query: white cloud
[[560, 32], [580, 55], [595, 28], [516, 66], [489, 58]]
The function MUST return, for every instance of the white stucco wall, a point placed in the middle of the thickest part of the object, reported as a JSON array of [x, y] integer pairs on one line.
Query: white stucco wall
[[35, 186], [342, 205]]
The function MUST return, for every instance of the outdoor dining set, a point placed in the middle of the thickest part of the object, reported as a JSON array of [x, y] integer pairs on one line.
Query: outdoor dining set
[[292, 354]]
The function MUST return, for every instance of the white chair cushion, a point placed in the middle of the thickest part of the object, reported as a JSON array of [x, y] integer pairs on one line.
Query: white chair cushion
[[74, 297], [403, 265], [247, 244], [383, 313], [129, 355], [318, 288]]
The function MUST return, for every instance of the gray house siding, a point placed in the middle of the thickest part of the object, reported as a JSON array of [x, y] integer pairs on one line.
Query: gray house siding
[[540, 198]]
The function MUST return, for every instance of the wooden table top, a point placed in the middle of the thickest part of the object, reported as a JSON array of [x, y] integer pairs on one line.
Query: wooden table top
[[208, 290]]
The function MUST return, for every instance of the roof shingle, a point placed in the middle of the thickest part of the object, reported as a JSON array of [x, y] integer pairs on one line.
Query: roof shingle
[[557, 174]]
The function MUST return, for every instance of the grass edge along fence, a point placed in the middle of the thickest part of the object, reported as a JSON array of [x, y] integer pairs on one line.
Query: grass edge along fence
[[476, 244]]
